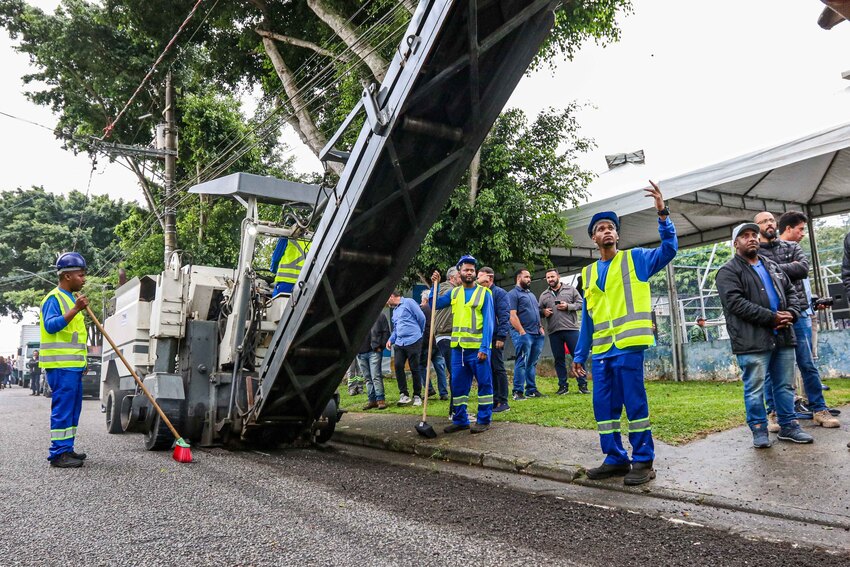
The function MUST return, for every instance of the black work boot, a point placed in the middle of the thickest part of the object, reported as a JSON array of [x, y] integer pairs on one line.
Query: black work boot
[[454, 427], [66, 461], [641, 473], [78, 456], [604, 471], [479, 428]]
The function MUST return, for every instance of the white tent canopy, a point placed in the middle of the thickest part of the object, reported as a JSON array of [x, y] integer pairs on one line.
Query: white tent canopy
[[809, 174]]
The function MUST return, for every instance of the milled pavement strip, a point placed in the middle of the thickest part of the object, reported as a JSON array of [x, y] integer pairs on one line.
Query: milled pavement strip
[[569, 473], [745, 524]]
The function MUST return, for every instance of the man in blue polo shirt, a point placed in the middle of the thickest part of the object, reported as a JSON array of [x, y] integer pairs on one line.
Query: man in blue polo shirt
[[408, 327], [527, 335]]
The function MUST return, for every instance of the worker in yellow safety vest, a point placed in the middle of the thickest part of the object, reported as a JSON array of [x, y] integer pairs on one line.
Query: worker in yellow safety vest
[[63, 356], [287, 262], [616, 327], [473, 321]]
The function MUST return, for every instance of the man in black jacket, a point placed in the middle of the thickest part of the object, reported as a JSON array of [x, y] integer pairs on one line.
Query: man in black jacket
[[793, 262], [760, 306], [369, 359]]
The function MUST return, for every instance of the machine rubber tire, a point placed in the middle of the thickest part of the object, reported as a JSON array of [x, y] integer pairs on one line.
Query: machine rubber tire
[[322, 435], [159, 437], [113, 412]]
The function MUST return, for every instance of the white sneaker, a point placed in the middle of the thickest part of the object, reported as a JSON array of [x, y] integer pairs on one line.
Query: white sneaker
[[404, 399], [417, 401]]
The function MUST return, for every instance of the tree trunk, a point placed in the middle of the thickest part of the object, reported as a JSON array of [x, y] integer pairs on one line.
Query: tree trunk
[[351, 38], [306, 127], [474, 170]]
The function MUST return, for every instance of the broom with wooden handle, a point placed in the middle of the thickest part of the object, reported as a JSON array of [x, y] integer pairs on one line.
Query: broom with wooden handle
[[182, 451]]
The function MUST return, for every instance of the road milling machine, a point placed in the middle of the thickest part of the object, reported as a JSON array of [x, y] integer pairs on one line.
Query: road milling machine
[[226, 360]]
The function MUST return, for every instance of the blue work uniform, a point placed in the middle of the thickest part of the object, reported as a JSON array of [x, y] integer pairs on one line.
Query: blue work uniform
[[65, 383], [618, 372], [466, 366]]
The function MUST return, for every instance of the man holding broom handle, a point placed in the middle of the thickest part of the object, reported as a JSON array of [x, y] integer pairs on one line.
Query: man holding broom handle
[[63, 355], [472, 337]]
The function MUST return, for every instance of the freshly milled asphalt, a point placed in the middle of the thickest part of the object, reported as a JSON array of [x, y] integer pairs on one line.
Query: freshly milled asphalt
[[128, 506]]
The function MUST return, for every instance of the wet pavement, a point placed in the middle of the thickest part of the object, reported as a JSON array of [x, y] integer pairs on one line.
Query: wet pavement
[[128, 506], [806, 483]]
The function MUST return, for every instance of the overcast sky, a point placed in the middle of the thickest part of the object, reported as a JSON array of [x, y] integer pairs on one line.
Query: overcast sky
[[690, 83]]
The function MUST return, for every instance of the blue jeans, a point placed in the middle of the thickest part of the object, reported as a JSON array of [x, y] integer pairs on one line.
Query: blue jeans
[[528, 348], [755, 366], [808, 370], [439, 364], [370, 368]]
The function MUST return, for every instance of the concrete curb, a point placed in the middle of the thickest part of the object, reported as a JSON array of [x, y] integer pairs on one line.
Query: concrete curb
[[570, 473]]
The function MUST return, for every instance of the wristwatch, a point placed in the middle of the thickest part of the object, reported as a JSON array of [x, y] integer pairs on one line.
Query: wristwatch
[[665, 212]]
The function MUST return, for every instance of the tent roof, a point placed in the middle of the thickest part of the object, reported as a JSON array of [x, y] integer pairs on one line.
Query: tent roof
[[809, 174]]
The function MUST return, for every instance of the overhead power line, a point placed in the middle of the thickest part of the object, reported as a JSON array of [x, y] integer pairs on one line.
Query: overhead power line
[[108, 130], [27, 121]]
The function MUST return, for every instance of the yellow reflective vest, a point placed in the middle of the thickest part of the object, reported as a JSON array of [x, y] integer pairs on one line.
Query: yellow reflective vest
[[292, 261], [468, 317], [622, 314], [67, 347]]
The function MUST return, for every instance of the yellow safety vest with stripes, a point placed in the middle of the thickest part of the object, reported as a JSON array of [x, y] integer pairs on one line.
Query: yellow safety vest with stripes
[[622, 314], [67, 347], [292, 261], [467, 317]]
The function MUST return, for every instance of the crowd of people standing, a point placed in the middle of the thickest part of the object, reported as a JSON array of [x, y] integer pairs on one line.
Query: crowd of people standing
[[519, 316]]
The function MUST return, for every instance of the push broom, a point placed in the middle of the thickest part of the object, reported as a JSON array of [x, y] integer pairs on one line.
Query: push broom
[[182, 451], [423, 428]]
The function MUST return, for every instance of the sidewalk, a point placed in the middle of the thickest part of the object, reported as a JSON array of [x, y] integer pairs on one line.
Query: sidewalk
[[806, 483]]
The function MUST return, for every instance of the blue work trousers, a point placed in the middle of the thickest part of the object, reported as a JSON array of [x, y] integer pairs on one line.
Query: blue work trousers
[[370, 368], [755, 366], [808, 370], [66, 405], [528, 348], [618, 381], [465, 367]]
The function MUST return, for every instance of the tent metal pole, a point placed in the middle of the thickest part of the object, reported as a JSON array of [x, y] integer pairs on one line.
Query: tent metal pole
[[821, 289], [675, 324]]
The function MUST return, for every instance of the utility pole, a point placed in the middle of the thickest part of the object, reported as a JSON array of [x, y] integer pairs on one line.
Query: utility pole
[[169, 209]]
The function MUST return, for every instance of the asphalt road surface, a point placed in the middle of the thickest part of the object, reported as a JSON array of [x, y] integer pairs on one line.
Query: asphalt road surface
[[304, 507]]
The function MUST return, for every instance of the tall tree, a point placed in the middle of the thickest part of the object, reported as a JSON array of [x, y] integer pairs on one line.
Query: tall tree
[[527, 177], [310, 60], [35, 226]]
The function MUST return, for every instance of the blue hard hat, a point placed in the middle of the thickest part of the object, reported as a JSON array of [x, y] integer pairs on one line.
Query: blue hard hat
[[604, 215], [466, 259], [70, 261]]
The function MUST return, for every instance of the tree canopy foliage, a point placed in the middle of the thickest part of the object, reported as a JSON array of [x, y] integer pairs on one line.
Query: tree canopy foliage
[[307, 61], [527, 177], [36, 225]]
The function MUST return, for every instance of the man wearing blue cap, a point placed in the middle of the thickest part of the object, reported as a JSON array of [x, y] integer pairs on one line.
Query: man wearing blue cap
[[63, 355], [616, 327], [472, 337]]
